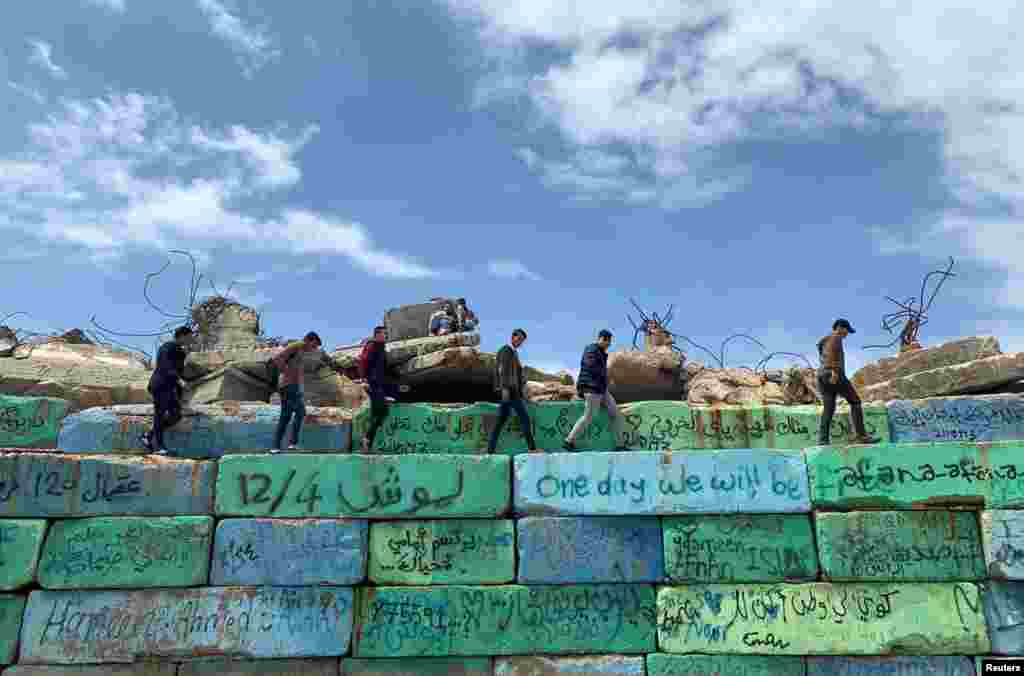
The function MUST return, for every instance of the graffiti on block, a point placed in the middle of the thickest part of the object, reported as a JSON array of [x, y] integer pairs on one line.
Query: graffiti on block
[[967, 419], [30, 422], [448, 551]]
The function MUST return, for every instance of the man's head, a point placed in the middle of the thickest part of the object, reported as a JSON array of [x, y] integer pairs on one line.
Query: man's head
[[604, 339], [183, 335], [518, 338], [842, 328], [447, 307], [461, 302], [311, 342], [380, 334]]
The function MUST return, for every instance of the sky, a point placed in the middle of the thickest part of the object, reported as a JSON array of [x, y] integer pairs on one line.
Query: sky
[[764, 168]]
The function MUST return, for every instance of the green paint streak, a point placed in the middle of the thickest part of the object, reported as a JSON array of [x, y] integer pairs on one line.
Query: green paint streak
[[364, 486], [141, 552], [20, 543], [909, 546], [660, 664], [11, 609], [739, 548], [505, 620], [449, 551], [30, 422]]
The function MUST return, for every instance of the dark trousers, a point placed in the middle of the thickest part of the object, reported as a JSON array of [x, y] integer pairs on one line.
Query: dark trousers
[[379, 409], [293, 407], [166, 412], [829, 392], [504, 409]]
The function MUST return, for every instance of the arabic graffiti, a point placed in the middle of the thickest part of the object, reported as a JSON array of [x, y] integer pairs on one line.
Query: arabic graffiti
[[30, 422], [948, 419], [448, 551]]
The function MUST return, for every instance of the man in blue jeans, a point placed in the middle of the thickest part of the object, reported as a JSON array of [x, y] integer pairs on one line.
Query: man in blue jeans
[[510, 381], [292, 382]]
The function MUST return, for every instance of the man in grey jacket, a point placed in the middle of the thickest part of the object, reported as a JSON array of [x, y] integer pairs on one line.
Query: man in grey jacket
[[510, 381]]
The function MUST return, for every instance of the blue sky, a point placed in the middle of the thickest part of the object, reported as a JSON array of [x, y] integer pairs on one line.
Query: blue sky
[[765, 170]]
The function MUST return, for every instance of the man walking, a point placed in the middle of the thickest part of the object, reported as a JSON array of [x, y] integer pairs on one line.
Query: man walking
[[592, 385], [832, 381], [166, 386], [292, 388], [382, 391], [510, 381]]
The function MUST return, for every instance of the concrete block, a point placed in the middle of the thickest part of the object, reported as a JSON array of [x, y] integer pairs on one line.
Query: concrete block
[[21, 540], [206, 431], [238, 622], [583, 550], [260, 668], [964, 419], [30, 422], [917, 476], [127, 551], [1004, 613], [1002, 535], [504, 620], [445, 551], [739, 548], [947, 665], [55, 485], [282, 552], [923, 546], [591, 665], [822, 619], [660, 664], [145, 669], [418, 666], [363, 486], [11, 608], [661, 483]]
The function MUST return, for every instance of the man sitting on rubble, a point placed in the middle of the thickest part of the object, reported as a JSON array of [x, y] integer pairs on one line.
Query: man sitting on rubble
[[465, 319], [442, 321]]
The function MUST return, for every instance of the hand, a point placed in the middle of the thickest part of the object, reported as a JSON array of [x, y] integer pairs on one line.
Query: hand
[[834, 379], [506, 394], [403, 388]]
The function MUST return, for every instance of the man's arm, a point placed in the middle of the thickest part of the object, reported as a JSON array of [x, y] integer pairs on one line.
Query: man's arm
[[282, 357]]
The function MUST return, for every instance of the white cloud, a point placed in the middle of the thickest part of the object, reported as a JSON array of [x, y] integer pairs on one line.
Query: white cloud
[[25, 90], [124, 172], [42, 56], [114, 5], [252, 45], [506, 269]]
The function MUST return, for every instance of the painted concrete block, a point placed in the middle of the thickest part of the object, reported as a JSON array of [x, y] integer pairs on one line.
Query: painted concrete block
[[965, 419], [11, 609], [21, 540], [55, 485], [1002, 536], [1004, 612], [661, 664], [260, 668], [144, 669], [282, 552], [739, 548], [127, 551], [208, 431], [444, 551], [30, 422], [822, 619], [504, 620], [909, 546], [591, 665], [581, 550], [934, 665], [917, 476], [661, 483], [363, 486], [418, 666], [240, 622]]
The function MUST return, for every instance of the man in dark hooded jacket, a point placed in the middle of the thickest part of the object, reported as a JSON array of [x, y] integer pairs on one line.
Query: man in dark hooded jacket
[[166, 386], [592, 385], [378, 385], [832, 382], [510, 382]]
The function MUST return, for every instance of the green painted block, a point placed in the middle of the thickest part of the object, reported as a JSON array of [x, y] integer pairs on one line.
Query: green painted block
[[364, 486], [418, 666], [909, 546], [823, 619], [127, 552], [504, 620], [739, 548], [917, 476], [11, 610], [448, 551], [21, 540], [30, 422], [660, 664]]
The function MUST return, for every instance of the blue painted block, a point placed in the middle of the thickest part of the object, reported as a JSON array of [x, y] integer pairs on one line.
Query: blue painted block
[[952, 665], [37, 485], [204, 432], [987, 418], [1003, 603], [299, 552], [705, 482], [578, 550]]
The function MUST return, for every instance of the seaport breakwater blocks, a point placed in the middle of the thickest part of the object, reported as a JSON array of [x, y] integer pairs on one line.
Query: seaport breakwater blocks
[[21, 541], [443, 551], [30, 422], [964, 419]]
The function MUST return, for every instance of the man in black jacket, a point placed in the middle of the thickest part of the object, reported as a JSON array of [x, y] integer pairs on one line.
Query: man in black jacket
[[510, 381], [378, 384], [592, 385], [166, 386]]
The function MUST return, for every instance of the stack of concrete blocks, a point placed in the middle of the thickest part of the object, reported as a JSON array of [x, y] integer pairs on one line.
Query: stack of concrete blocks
[[692, 555]]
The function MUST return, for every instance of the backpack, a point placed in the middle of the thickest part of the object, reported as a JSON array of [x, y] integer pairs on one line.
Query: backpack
[[364, 358]]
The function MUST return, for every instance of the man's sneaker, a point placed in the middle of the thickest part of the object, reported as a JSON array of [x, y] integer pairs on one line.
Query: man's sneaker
[[275, 451], [161, 451], [865, 439], [390, 400], [568, 445], [146, 443], [292, 447]]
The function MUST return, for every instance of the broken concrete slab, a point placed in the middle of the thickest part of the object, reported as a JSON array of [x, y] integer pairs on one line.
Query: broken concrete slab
[[30, 422], [401, 351], [973, 376], [228, 384], [412, 321], [926, 359], [640, 375]]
